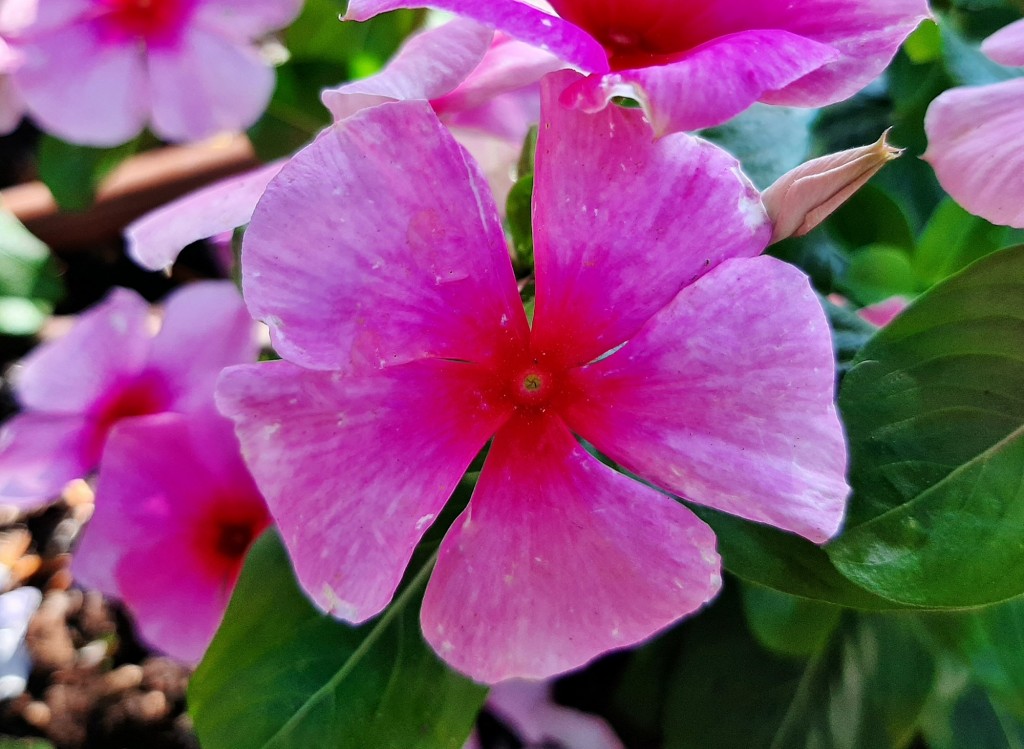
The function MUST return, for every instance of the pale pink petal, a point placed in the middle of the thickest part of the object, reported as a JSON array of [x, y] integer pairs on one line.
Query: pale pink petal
[[356, 468], [497, 158], [726, 399], [206, 328], [12, 108], [559, 559], [527, 707], [41, 15], [378, 244], [1006, 46], [83, 88], [39, 454], [205, 85], [976, 146], [175, 513], [721, 79], [108, 343], [155, 240], [597, 281], [429, 65], [518, 19], [884, 312], [248, 19]]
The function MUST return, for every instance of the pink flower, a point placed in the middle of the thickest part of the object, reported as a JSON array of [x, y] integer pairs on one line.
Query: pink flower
[[14, 14], [378, 260], [110, 368], [97, 71], [975, 139], [176, 512], [481, 84], [696, 64]]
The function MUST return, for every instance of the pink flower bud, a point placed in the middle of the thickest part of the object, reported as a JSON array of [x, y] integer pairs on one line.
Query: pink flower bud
[[804, 197]]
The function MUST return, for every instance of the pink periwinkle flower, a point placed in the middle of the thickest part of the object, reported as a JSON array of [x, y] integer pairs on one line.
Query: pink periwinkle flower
[[975, 138], [110, 368], [483, 85], [14, 15], [696, 64], [176, 512], [97, 71], [378, 260]]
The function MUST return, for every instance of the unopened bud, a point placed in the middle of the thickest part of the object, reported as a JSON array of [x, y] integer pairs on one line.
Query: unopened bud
[[804, 197]]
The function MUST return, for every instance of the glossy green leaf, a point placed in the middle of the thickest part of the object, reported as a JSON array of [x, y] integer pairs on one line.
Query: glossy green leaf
[[519, 218], [72, 173], [786, 624], [935, 419], [282, 675], [888, 225], [29, 282], [878, 272], [865, 690]]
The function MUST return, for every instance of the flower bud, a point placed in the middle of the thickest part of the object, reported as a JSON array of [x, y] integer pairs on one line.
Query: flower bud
[[804, 197]]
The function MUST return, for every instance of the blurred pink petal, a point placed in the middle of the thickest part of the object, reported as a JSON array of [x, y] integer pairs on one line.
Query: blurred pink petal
[[559, 559], [176, 512], [1006, 46], [884, 312], [805, 196], [976, 146], [110, 368], [384, 267], [97, 73], [808, 54], [155, 240]]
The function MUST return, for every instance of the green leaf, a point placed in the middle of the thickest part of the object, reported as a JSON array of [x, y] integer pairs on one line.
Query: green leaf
[[768, 141], [935, 420], [786, 624], [888, 225], [10, 743], [973, 722], [925, 44], [72, 173], [850, 332], [785, 562], [280, 674], [319, 35], [29, 280], [967, 64], [878, 272], [519, 216], [864, 691]]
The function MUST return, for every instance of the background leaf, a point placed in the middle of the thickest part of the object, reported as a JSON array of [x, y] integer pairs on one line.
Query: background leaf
[[280, 674], [29, 282]]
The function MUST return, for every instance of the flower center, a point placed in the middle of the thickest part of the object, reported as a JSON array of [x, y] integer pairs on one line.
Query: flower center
[[234, 539], [154, 21]]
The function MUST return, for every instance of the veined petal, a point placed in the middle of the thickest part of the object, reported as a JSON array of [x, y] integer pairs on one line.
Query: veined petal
[[379, 244], [521, 20], [356, 468], [155, 240], [39, 454], [206, 84], [726, 399], [598, 178], [84, 88], [428, 66], [559, 559], [711, 84], [976, 146], [70, 375], [206, 328], [1006, 46]]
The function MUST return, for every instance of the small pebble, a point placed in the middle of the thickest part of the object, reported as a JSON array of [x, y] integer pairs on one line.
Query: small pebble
[[153, 706], [37, 714], [122, 679], [92, 654]]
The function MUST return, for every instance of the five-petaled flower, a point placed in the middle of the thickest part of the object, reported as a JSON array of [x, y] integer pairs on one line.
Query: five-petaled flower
[[110, 368], [693, 64], [378, 260], [97, 71]]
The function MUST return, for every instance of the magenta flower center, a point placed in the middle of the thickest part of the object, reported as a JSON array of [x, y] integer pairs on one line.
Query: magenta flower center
[[227, 531], [153, 21], [145, 395], [234, 539]]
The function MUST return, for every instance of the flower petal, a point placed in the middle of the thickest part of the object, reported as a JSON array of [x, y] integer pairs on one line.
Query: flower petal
[[379, 244], [599, 175], [976, 146], [726, 399], [721, 79], [155, 240], [165, 486], [518, 19], [247, 19], [356, 468], [429, 65], [559, 559], [206, 84], [206, 328], [84, 88], [39, 454], [107, 343], [1006, 46]]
